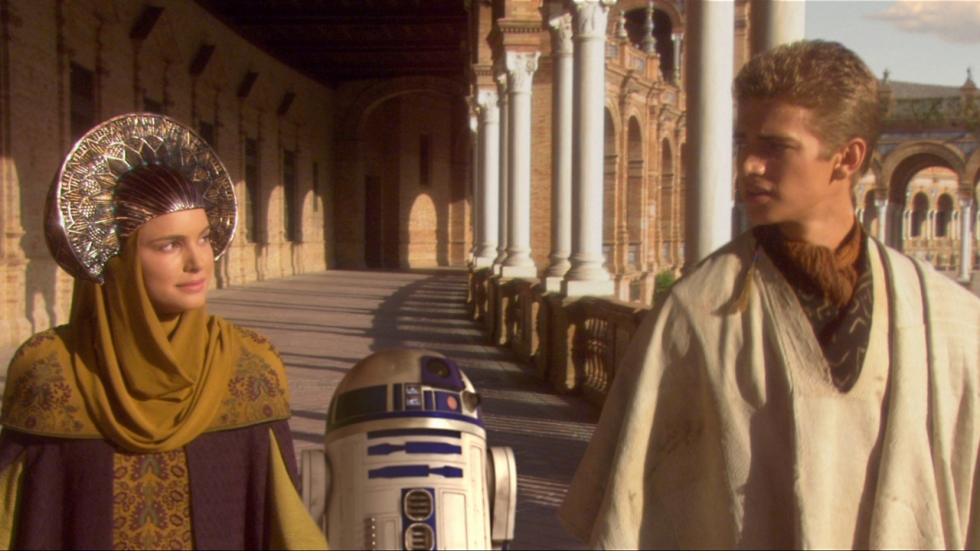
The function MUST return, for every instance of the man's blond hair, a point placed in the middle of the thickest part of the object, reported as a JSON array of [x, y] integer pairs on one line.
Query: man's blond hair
[[825, 77]]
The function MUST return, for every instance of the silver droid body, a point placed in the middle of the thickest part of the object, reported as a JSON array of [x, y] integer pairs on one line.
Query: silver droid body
[[407, 464]]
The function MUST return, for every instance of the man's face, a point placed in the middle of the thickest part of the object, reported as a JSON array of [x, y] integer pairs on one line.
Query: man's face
[[783, 175]]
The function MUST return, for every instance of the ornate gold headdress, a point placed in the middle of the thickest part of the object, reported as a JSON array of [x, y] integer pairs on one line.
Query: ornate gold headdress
[[83, 213]]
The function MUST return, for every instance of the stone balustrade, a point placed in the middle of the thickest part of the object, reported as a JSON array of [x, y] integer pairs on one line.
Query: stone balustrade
[[942, 253], [574, 344]]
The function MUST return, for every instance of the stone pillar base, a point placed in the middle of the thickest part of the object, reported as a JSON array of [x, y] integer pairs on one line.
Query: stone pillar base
[[588, 288], [482, 262], [552, 284], [523, 272]]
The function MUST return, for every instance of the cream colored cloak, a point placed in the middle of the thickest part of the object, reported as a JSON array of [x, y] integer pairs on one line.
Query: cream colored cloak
[[725, 430]]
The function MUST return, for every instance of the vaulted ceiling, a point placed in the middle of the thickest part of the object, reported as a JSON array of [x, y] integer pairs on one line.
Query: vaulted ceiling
[[334, 41]]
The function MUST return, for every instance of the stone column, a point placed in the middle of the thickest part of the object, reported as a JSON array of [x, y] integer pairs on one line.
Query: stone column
[[708, 72], [488, 141], [520, 74], [966, 244], [649, 43], [476, 196], [504, 173], [561, 151], [587, 275], [776, 22], [678, 40], [881, 205]]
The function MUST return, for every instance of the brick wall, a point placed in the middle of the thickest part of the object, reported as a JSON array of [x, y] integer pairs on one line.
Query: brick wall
[[378, 166]]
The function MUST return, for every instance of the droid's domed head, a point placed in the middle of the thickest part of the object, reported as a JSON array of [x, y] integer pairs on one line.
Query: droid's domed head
[[404, 388]]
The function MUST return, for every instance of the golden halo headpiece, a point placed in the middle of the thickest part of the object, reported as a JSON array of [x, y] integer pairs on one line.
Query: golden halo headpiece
[[81, 227]]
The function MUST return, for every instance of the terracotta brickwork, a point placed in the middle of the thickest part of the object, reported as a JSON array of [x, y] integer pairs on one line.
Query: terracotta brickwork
[[644, 180], [402, 170]]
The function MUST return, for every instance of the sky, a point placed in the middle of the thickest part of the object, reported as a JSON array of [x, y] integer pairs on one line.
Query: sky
[[931, 42]]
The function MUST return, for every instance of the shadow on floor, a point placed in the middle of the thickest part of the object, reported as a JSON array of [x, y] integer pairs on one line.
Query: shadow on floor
[[324, 323]]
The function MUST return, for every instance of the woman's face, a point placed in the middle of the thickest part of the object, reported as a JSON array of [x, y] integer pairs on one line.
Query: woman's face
[[178, 261]]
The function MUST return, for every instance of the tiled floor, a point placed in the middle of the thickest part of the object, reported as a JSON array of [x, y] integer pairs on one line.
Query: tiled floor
[[324, 323]]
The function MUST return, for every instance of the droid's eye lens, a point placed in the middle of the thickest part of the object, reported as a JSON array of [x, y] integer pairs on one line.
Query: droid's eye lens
[[438, 367], [472, 400]]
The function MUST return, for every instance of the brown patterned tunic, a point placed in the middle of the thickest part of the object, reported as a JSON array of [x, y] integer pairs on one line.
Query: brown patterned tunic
[[80, 490], [68, 501], [151, 501]]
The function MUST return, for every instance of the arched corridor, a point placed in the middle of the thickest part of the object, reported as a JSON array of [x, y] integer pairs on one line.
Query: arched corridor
[[405, 148]]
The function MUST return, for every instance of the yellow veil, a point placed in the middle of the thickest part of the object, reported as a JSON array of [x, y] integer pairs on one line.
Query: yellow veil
[[149, 386]]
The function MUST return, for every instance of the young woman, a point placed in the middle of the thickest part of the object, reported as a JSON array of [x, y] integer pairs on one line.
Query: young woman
[[146, 423]]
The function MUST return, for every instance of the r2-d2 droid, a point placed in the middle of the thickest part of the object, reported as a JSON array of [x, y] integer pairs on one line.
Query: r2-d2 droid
[[407, 464]]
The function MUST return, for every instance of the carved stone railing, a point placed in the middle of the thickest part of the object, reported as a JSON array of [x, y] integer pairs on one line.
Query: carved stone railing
[[927, 111], [634, 59], [635, 287], [478, 299], [942, 253], [576, 345], [517, 317], [941, 113], [599, 331]]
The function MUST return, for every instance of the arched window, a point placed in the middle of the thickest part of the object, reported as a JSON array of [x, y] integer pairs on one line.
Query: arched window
[[609, 188], [665, 209], [920, 210], [635, 207], [944, 215], [636, 31]]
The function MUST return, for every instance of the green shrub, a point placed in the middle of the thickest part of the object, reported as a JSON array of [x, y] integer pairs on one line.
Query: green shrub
[[662, 282]]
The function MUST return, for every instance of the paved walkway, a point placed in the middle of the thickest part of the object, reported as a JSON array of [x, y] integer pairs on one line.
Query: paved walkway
[[324, 323]]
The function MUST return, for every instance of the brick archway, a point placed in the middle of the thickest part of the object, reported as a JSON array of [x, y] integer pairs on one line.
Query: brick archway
[[361, 107], [898, 167], [897, 170], [350, 196], [971, 172]]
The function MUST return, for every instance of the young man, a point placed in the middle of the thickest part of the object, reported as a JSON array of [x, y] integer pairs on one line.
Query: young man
[[803, 386]]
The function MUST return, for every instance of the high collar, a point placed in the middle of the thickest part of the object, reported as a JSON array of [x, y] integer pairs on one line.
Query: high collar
[[816, 268]]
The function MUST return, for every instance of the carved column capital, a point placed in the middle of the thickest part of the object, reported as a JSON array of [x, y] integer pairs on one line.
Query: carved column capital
[[520, 71], [561, 34], [965, 193], [501, 79], [591, 18], [486, 101]]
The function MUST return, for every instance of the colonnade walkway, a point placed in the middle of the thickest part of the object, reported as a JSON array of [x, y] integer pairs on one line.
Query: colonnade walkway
[[324, 323]]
